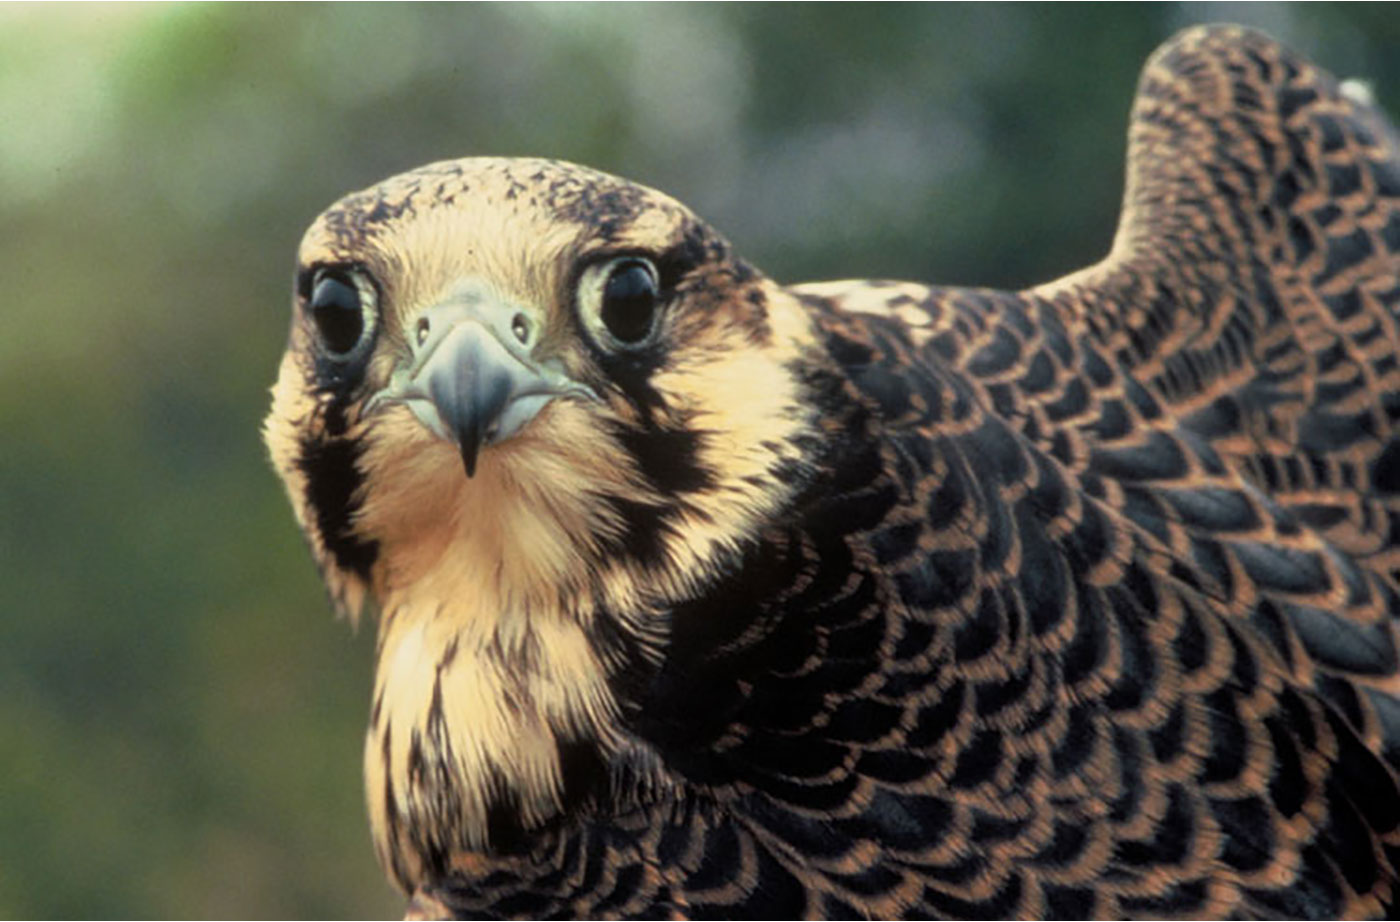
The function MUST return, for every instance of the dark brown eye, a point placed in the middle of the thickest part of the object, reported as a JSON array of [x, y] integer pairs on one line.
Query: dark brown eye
[[338, 308], [628, 299]]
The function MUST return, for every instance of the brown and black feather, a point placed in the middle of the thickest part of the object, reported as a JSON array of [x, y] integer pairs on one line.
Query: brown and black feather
[[1081, 601]]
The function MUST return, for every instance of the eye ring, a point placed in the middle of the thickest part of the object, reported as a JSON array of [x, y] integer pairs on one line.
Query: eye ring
[[619, 301], [343, 307]]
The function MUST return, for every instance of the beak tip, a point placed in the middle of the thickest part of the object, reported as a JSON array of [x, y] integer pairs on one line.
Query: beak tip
[[469, 451]]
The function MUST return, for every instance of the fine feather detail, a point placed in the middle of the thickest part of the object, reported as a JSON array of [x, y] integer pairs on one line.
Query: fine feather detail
[[881, 599]]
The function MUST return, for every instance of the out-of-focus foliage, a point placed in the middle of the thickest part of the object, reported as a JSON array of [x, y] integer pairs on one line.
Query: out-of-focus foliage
[[180, 720]]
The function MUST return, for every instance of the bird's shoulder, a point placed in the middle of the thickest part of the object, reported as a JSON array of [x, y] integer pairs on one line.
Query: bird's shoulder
[[1143, 518]]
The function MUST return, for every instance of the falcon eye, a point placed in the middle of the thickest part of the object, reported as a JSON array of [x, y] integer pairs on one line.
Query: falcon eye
[[622, 297], [342, 307], [629, 300]]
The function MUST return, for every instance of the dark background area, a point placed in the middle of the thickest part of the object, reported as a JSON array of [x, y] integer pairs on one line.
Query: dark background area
[[180, 718]]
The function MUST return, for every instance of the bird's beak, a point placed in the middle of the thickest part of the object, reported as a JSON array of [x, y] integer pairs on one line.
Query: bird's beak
[[471, 376]]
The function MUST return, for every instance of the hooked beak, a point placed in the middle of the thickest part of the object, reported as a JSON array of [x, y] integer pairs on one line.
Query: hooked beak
[[471, 377]]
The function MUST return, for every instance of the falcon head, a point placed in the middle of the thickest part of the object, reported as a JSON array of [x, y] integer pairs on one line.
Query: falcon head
[[557, 386], [526, 410]]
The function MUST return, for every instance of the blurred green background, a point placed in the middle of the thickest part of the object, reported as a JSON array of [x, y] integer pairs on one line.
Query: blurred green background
[[180, 718]]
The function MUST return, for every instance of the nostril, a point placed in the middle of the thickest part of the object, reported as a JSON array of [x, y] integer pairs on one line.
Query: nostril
[[520, 326], [422, 330]]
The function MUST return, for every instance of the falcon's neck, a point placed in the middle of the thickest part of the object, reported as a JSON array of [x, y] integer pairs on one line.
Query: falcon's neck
[[470, 728], [492, 714]]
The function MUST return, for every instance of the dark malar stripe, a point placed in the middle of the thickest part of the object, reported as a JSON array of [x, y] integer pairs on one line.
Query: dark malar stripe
[[668, 458], [644, 529], [333, 481]]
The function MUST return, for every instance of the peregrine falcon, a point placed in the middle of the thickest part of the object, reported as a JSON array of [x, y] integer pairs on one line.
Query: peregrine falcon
[[699, 595]]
